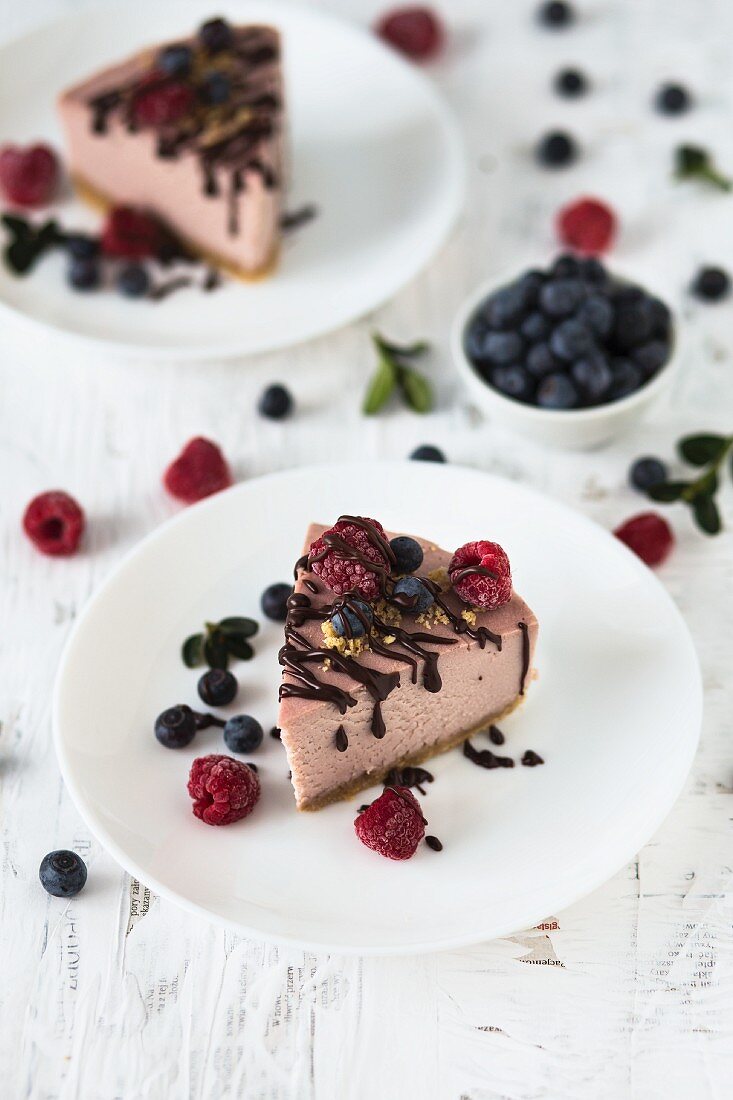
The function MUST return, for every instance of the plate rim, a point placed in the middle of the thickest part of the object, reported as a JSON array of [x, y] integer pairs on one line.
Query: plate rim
[[453, 203], [560, 901]]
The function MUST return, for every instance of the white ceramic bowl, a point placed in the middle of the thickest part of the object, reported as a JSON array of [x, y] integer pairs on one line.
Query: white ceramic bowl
[[574, 429]]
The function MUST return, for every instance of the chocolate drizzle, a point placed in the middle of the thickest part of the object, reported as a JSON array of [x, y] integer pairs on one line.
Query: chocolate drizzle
[[485, 758], [525, 655], [342, 741], [228, 137]]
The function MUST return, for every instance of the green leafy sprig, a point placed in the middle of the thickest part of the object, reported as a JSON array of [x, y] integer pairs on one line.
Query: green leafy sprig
[[28, 242], [219, 642], [694, 162], [708, 452], [395, 373]]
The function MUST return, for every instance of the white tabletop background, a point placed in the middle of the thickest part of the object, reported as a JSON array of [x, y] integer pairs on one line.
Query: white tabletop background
[[629, 993]]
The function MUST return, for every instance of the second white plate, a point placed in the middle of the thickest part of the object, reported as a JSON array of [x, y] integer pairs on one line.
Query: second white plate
[[373, 147], [615, 714]]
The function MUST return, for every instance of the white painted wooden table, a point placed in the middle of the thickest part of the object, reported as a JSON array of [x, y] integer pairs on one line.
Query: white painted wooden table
[[627, 994]]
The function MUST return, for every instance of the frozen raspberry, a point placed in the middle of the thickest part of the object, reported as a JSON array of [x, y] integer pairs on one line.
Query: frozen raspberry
[[416, 32], [54, 523], [28, 177], [648, 535], [163, 104], [223, 789], [132, 234], [343, 574], [199, 471], [476, 589], [393, 825], [587, 226]]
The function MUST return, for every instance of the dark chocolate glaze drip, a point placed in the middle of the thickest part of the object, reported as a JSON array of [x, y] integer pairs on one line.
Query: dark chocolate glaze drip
[[248, 118], [485, 758], [473, 571], [408, 776], [310, 585], [164, 290], [301, 563], [434, 843], [531, 759], [341, 739], [496, 737], [525, 655]]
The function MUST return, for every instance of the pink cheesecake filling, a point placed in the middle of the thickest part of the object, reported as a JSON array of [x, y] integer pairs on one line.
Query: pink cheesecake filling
[[227, 206], [478, 685]]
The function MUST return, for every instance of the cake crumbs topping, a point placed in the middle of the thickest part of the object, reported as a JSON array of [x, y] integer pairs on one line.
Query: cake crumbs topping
[[347, 647], [440, 577], [432, 616], [388, 613], [469, 616]]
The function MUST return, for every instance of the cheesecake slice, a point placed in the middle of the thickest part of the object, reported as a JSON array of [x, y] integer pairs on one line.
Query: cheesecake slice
[[193, 132], [370, 682]]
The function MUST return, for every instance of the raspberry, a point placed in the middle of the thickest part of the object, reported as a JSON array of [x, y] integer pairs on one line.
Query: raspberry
[[199, 471], [416, 32], [132, 234], [343, 574], [474, 588], [28, 177], [648, 535], [587, 225], [223, 790], [162, 104], [393, 825], [54, 523]]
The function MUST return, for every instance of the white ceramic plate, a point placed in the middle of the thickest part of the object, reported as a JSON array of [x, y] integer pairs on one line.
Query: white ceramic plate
[[372, 145], [615, 714]]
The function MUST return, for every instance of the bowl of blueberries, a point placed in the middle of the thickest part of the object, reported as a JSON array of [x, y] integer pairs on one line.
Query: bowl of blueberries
[[570, 355]]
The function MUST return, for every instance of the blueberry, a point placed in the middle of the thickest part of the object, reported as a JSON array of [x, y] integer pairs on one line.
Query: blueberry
[[556, 149], [176, 727], [711, 284], [133, 281], [514, 381], [242, 733], [84, 274], [570, 83], [633, 324], [175, 60], [593, 377], [627, 378], [216, 35], [506, 307], [661, 318], [593, 271], [413, 587], [216, 88], [351, 621], [650, 357], [426, 452], [473, 339], [566, 266], [571, 340], [557, 391], [276, 402], [274, 601], [555, 14], [597, 313], [503, 347], [217, 687], [540, 360], [646, 472], [561, 297], [62, 873], [535, 327], [672, 99], [80, 246], [408, 554]]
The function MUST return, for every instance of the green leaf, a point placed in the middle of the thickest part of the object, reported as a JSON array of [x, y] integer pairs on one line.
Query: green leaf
[[667, 491], [192, 651], [238, 646], [417, 390], [706, 486], [237, 624], [216, 651], [380, 388], [698, 450], [404, 351], [707, 516]]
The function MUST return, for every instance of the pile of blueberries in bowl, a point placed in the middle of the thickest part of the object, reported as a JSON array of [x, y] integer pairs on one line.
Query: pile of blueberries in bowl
[[572, 338]]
